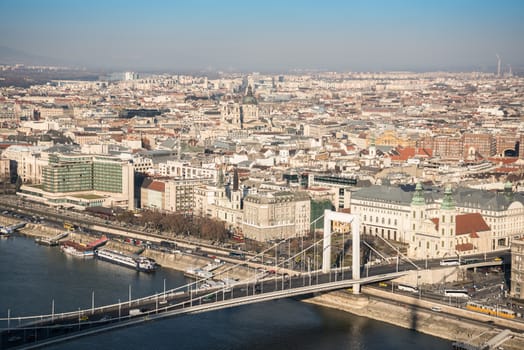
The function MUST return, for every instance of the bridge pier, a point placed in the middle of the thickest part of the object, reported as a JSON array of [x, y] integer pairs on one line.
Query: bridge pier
[[330, 216]]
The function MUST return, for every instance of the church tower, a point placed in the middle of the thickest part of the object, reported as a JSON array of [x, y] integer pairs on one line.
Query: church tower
[[249, 108], [417, 215], [447, 223], [372, 148], [236, 194]]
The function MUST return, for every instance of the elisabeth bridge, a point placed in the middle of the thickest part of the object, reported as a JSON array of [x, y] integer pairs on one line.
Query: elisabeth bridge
[[40, 330]]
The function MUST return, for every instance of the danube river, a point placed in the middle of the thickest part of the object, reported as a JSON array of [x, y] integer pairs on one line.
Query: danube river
[[33, 278]]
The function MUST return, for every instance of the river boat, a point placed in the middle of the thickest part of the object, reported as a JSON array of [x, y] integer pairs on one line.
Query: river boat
[[70, 250], [136, 262]]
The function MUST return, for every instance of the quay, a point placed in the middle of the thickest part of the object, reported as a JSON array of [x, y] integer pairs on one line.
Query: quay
[[51, 241], [458, 325]]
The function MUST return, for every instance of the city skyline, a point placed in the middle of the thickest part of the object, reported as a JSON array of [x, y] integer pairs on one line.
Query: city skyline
[[268, 36]]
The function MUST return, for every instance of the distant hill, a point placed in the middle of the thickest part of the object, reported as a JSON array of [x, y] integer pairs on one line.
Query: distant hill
[[11, 56]]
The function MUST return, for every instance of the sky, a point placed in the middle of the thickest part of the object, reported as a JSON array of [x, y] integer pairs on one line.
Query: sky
[[268, 35]]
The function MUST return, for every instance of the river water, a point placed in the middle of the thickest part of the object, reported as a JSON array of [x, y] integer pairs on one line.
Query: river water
[[33, 278]]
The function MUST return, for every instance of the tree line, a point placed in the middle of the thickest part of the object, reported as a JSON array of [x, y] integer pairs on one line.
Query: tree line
[[176, 224]]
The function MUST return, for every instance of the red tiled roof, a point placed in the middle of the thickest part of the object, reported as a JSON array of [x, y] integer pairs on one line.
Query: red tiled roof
[[409, 152], [505, 160], [469, 223], [464, 247], [157, 186]]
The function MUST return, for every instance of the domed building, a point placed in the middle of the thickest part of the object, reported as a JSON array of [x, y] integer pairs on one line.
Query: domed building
[[240, 116], [249, 108]]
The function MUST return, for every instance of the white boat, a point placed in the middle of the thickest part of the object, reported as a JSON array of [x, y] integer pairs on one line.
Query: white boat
[[136, 262], [145, 264], [70, 250]]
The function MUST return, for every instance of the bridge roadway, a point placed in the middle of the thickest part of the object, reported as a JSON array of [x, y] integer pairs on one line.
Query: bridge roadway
[[38, 331]]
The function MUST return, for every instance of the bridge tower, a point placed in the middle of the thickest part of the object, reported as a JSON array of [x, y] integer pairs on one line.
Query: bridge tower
[[330, 216]]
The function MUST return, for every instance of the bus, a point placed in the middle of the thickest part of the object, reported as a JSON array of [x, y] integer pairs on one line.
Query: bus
[[456, 293], [470, 261], [237, 255], [449, 262], [407, 288]]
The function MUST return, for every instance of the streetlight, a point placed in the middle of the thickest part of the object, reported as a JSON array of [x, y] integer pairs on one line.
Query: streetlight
[[92, 302], [343, 252], [164, 289]]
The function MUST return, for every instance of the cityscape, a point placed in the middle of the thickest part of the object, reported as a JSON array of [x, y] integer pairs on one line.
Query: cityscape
[[233, 175]]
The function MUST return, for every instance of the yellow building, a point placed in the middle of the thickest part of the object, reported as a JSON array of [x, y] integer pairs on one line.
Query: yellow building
[[390, 138]]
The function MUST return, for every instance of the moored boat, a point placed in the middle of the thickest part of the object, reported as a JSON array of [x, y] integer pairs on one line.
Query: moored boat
[[136, 262], [70, 250]]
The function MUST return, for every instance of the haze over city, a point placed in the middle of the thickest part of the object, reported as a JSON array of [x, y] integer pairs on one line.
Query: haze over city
[[195, 174], [266, 36]]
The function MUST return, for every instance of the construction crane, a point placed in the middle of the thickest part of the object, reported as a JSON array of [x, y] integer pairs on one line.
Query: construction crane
[[498, 64]]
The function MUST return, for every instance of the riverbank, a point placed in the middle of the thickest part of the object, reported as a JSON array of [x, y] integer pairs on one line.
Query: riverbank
[[396, 309], [178, 260], [411, 313]]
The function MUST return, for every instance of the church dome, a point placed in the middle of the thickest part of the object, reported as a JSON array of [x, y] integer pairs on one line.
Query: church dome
[[249, 99]]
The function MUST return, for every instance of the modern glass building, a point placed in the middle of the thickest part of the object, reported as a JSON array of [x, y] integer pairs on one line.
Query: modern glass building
[[84, 180], [66, 173], [73, 173]]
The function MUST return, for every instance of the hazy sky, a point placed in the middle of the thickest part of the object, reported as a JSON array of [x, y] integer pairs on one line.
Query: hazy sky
[[268, 34]]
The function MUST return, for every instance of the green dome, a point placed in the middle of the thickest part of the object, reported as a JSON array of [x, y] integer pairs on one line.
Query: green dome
[[249, 99], [418, 197], [447, 202]]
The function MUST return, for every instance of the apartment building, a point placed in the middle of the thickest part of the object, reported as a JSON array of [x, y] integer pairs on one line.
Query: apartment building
[[517, 269], [276, 215], [186, 170]]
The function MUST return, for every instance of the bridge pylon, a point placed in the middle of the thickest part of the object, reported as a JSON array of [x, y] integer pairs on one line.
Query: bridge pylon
[[330, 216]]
